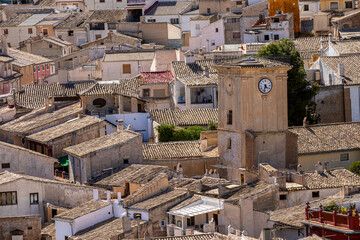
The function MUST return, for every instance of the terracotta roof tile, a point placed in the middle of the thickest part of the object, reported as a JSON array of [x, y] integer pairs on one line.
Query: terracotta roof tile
[[172, 150], [108, 16], [188, 117], [200, 80], [346, 47], [171, 8], [334, 178], [328, 138], [157, 77]]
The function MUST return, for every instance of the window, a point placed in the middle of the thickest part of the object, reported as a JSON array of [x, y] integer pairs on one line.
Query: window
[[111, 26], [316, 194], [97, 36], [75, 4], [99, 102], [102, 1], [216, 30], [334, 5], [276, 20], [29, 228], [126, 161], [45, 31], [8, 198], [50, 45], [126, 69], [227, 9], [137, 215], [163, 223], [208, 10], [174, 21], [173, 219], [97, 26], [282, 196], [34, 198], [349, 4], [344, 157], [151, 20], [266, 37], [5, 165], [197, 26], [212, 42], [191, 221], [9, 45], [38, 68], [229, 143], [276, 37], [29, 30], [238, 3], [236, 34], [306, 8], [119, 0], [6, 31], [233, 20], [229, 117], [70, 33]]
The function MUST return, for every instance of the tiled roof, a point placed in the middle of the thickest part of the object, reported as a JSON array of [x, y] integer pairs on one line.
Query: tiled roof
[[200, 80], [108, 16], [157, 77], [49, 230], [171, 8], [186, 202], [171, 150], [70, 126], [83, 209], [7, 177], [127, 87], [25, 58], [251, 190], [75, 21], [211, 18], [25, 125], [310, 44], [135, 173], [106, 230], [328, 138], [334, 178], [188, 117], [128, 56], [101, 143], [206, 236], [181, 69], [346, 47], [193, 184], [15, 20], [33, 20], [254, 62], [160, 199], [351, 67]]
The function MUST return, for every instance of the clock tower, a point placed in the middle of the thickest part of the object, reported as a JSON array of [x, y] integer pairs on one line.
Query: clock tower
[[253, 119]]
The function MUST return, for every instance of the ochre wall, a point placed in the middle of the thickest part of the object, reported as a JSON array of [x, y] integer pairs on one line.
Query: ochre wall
[[287, 6]]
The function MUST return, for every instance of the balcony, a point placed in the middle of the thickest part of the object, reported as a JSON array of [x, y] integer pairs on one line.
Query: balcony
[[349, 220], [135, 2]]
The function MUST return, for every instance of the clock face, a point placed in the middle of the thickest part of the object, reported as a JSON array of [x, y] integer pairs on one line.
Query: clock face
[[265, 85]]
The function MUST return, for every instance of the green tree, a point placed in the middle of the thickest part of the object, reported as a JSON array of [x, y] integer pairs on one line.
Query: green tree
[[212, 125], [165, 132], [300, 91], [355, 168], [194, 132]]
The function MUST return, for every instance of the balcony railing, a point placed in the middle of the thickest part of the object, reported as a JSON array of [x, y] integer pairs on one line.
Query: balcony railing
[[350, 220], [134, 2]]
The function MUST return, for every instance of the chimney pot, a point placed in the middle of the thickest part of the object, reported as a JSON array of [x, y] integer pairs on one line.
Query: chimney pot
[[96, 194], [108, 196]]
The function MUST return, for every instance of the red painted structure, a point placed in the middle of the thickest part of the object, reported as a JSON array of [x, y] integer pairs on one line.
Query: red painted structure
[[332, 225], [40, 72]]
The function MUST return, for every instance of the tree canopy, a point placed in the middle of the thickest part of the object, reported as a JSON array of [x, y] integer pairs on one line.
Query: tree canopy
[[300, 91], [355, 168]]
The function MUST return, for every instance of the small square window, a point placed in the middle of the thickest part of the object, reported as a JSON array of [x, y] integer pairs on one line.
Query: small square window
[[5, 165], [197, 26], [151, 20], [334, 5], [227, 9], [174, 21], [30, 31], [29, 228], [229, 143], [126, 161], [126, 69], [34, 198], [344, 157], [112, 26], [236, 34], [70, 33], [349, 4], [208, 10], [282, 196], [6, 31], [163, 223], [50, 45], [276, 20], [102, 1], [238, 3], [266, 37], [276, 37], [146, 92], [316, 194], [97, 36], [306, 8], [216, 30]]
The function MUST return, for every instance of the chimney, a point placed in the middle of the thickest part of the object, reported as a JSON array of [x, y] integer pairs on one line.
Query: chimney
[[4, 46], [299, 169], [119, 196], [108, 196], [319, 168], [341, 69], [120, 125], [96, 194], [80, 116], [189, 57], [206, 71], [126, 224]]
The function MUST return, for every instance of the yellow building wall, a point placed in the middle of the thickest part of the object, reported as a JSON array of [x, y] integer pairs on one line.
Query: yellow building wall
[[50, 28], [325, 5], [28, 75], [287, 6], [308, 161]]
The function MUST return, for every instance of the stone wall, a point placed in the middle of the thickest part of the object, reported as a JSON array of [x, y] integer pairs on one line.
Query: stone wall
[[26, 161], [30, 225], [330, 104]]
